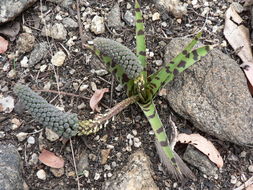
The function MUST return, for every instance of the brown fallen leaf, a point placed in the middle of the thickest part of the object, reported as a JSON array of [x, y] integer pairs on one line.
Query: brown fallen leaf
[[238, 37], [202, 144], [96, 97], [3, 45], [50, 159]]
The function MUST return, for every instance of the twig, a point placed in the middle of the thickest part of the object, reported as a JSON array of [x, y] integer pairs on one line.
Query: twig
[[246, 184], [112, 87], [63, 93], [84, 37], [74, 161]]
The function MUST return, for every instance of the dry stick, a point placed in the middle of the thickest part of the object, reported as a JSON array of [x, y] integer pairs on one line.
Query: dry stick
[[74, 161], [117, 109], [84, 37], [246, 184], [63, 93]]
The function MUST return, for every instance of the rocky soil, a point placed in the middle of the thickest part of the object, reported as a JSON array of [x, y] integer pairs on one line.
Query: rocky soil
[[210, 98]]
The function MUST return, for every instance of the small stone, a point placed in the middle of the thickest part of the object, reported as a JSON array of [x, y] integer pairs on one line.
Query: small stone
[[39, 52], [113, 18], [134, 132], [97, 25], [83, 87], [137, 142], [69, 23], [6, 67], [21, 136], [58, 58], [58, 17], [75, 85], [243, 154], [93, 86], [97, 176], [34, 159], [15, 123], [104, 155], [194, 2], [2, 134], [51, 135], [31, 140], [155, 16], [86, 173], [107, 167], [11, 74], [47, 86], [27, 29], [119, 88], [43, 68], [81, 106], [129, 17], [25, 42], [57, 172], [233, 179], [41, 174], [129, 6], [109, 174], [158, 63], [101, 72], [24, 62], [71, 174], [83, 162], [57, 31], [250, 168]]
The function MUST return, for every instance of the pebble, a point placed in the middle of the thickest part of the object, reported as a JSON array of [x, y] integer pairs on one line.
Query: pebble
[[38, 53], [25, 42], [83, 162], [243, 154], [24, 62], [97, 176], [156, 16], [51, 135], [81, 106], [113, 18], [47, 86], [11, 74], [86, 173], [57, 31], [134, 132], [97, 25], [2, 134], [43, 68], [58, 58], [129, 6], [101, 72], [34, 159], [57, 172], [21, 136], [137, 142], [250, 168], [31, 140], [233, 179], [83, 87], [15, 123], [69, 23], [41, 174], [129, 17], [93, 86], [6, 67], [158, 62], [75, 85], [109, 174], [58, 17]]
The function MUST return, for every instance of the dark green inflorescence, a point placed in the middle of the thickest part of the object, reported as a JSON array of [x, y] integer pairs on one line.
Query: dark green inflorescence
[[120, 55], [64, 124]]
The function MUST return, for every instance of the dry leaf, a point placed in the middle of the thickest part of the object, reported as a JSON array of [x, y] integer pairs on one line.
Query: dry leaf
[[202, 144], [250, 187], [50, 159], [238, 37], [6, 104], [3, 45], [96, 97]]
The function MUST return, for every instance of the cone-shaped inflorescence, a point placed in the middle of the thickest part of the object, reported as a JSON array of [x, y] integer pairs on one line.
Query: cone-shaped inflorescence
[[121, 55], [64, 124]]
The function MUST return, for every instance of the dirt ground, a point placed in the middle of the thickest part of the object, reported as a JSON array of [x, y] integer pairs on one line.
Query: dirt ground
[[77, 69]]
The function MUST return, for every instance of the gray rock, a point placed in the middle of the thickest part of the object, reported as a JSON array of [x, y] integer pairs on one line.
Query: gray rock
[[10, 9], [69, 23], [213, 95], [200, 161], [10, 168], [136, 175], [113, 18], [129, 18], [97, 25], [63, 3], [40, 51], [83, 162], [56, 31]]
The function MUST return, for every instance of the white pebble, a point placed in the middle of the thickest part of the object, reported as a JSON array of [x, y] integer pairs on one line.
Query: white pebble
[[2, 134], [250, 168], [43, 68], [109, 174], [41, 174], [97, 176], [86, 173], [134, 132], [31, 140], [24, 62], [11, 74], [21, 136], [51, 135], [58, 58], [97, 25], [83, 87], [137, 142], [233, 179], [155, 16]]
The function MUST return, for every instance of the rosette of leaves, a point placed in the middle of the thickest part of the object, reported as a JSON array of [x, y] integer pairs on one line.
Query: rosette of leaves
[[130, 71]]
